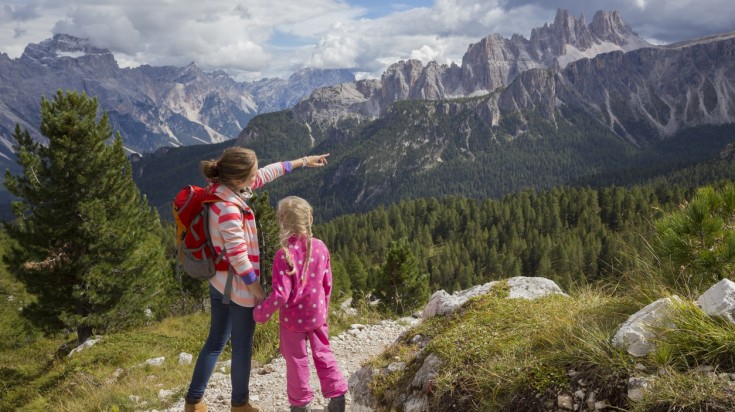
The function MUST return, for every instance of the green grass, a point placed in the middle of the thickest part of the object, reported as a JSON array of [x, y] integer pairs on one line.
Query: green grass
[[696, 339], [503, 354], [688, 392], [88, 380], [499, 354]]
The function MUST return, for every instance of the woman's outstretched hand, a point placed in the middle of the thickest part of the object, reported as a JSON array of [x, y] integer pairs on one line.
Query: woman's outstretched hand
[[315, 160]]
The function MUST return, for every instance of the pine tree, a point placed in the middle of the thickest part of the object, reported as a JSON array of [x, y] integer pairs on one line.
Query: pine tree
[[340, 281], [358, 276], [267, 222], [699, 240], [87, 244], [399, 286]]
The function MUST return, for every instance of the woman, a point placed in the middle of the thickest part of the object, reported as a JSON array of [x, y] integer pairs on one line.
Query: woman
[[232, 227]]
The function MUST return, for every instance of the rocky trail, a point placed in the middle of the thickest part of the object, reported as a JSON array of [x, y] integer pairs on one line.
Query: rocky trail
[[268, 382]]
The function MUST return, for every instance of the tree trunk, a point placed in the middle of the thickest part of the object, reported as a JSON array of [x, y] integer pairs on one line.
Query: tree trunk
[[84, 332]]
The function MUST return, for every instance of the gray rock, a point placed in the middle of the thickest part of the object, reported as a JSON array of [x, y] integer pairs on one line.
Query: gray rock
[[87, 344], [637, 387], [521, 287], [636, 334], [719, 300], [185, 358], [532, 288], [359, 386], [155, 361], [416, 404], [427, 372], [396, 366]]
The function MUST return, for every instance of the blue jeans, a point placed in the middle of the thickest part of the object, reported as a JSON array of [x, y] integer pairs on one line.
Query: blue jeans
[[225, 320]]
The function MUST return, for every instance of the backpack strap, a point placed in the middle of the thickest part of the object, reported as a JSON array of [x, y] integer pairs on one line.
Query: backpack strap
[[228, 285]]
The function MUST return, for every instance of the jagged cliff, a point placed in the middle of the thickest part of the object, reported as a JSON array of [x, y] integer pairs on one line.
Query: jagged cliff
[[641, 95], [492, 63]]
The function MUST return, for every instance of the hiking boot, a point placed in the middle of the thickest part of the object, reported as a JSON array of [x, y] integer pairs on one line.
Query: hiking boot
[[248, 407], [195, 406], [305, 408], [336, 404]]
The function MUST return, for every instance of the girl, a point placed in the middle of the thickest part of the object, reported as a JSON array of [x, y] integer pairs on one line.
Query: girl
[[302, 284], [232, 228]]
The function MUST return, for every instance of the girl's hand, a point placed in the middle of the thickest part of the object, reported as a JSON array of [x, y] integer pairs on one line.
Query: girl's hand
[[257, 291]]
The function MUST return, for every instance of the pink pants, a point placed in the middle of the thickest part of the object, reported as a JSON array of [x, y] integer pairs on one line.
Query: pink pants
[[293, 349]]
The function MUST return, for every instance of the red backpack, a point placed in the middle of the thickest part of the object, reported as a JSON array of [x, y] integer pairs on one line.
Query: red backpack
[[196, 254]]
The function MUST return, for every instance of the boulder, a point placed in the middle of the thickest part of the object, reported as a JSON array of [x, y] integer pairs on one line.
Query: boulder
[[530, 288], [87, 344], [636, 334], [719, 300], [521, 287]]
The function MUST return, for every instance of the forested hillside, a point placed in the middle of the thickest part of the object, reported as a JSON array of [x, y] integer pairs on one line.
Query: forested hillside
[[571, 235], [424, 149]]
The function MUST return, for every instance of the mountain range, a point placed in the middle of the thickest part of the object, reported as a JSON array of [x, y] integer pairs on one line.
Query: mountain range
[[489, 64], [576, 103], [151, 107]]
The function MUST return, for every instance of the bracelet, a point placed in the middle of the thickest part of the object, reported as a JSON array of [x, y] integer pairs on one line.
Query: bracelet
[[303, 160]]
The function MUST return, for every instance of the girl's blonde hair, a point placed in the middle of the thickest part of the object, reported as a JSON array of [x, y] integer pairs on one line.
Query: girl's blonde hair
[[295, 217], [235, 164]]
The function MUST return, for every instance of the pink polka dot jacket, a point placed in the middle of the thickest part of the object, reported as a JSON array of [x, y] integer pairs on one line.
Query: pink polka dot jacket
[[304, 306]]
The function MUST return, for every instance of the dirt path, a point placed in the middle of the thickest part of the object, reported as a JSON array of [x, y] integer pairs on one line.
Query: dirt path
[[268, 383]]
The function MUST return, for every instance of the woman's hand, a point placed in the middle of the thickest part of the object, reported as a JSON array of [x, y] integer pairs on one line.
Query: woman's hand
[[312, 161], [257, 291]]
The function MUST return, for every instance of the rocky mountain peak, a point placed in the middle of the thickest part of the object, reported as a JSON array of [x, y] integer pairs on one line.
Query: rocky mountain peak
[[62, 45], [189, 73], [399, 79], [607, 30], [609, 26], [569, 29]]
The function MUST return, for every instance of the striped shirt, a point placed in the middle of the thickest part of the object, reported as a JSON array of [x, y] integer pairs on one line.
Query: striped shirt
[[232, 227]]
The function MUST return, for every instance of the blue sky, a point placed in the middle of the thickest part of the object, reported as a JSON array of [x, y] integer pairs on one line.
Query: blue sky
[[252, 39], [380, 8]]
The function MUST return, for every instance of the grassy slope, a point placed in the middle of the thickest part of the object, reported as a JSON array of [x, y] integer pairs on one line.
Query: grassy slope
[[499, 355]]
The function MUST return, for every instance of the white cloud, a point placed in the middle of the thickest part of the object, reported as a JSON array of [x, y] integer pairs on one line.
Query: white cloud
[[426, 54], [258, 38], [422, 33]]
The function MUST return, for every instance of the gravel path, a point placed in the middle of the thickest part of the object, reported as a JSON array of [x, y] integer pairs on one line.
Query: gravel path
[[268, 383]]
